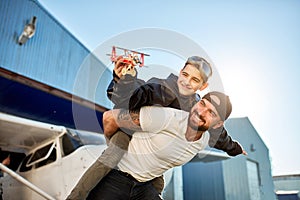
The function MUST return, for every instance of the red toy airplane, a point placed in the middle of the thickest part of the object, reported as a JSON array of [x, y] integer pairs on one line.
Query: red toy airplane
[[130, 57]]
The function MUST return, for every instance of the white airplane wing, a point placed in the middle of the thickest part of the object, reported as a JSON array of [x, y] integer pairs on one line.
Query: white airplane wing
[[20, 135]]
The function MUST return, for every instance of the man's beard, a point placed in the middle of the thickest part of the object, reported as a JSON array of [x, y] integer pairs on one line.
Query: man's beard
[[201, 128]]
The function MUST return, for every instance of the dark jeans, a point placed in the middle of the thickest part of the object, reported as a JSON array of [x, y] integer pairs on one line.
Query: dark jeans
[[118, 185]]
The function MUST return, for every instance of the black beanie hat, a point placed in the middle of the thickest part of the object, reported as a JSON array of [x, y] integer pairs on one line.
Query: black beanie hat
[[221, 102]]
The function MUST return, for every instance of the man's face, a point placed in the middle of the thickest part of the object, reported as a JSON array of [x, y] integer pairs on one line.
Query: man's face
[[189, 80], [203, 116]]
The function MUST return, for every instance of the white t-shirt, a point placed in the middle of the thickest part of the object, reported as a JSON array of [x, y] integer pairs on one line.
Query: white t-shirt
[[162, 144]]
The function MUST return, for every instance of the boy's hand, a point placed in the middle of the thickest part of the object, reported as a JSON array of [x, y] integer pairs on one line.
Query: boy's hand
[[6, 161], [119, 65]]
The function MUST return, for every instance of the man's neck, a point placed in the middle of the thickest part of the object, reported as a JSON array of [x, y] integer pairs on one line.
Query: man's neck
[[192, 135]]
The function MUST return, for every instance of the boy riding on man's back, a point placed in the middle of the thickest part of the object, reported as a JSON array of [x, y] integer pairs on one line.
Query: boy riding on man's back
[[129, 92]]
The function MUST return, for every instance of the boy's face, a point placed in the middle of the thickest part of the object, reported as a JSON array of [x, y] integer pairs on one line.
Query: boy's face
[[189, 80]]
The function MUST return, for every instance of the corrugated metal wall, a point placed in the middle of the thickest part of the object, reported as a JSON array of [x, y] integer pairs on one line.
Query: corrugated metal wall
[[203, 181], [235, 170], [287, 183], [52, 56], [235, 179]]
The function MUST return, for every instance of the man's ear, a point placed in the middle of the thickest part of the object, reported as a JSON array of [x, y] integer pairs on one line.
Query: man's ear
[[218, 125], [203, 86]]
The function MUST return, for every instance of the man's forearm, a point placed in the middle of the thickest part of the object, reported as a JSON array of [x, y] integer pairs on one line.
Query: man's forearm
[[120, 118], [129, 120]]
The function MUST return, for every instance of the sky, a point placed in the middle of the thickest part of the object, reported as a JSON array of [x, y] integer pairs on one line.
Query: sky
[[254, 46]]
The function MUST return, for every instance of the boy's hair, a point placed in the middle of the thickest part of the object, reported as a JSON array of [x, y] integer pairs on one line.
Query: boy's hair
[[202, 65]]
